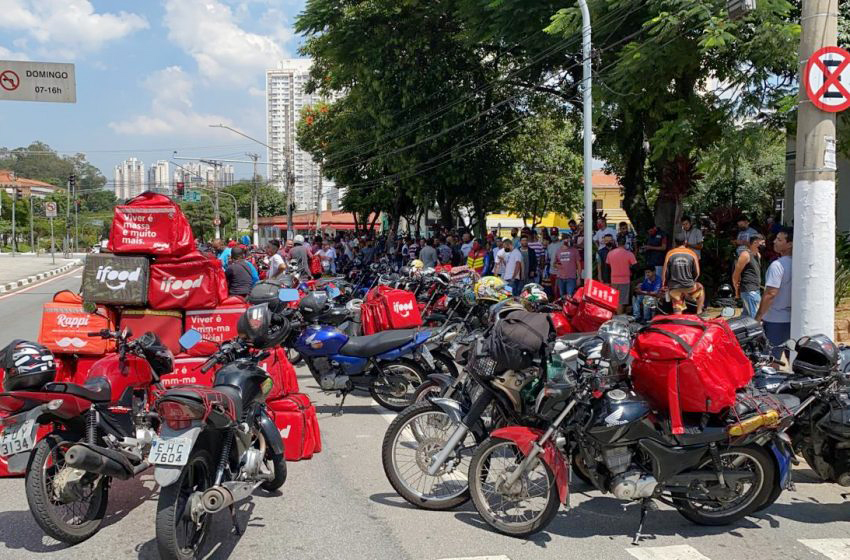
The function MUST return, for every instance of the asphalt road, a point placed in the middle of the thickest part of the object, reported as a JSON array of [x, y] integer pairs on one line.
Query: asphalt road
[[339, 506]]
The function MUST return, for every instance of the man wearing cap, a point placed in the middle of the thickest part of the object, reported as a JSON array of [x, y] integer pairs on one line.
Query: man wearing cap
[[301, 254]]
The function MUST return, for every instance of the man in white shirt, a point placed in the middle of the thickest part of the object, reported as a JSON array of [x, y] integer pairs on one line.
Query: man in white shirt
[[501, 262], [602, 231], [328, 256], [513, 270], [775, 307], [466, 247], [276, 262]]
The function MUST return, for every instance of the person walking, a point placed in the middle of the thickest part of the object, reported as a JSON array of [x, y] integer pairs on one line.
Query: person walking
[[680, 276], [241, 275], [775, 308], [747, 275], [567, 265], [621, 260]]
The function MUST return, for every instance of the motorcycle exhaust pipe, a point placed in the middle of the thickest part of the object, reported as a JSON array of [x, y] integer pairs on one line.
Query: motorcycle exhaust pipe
[[216, 499], [98, 462]]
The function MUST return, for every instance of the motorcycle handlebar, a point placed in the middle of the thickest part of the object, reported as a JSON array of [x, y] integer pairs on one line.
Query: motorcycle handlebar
[[209, 364]]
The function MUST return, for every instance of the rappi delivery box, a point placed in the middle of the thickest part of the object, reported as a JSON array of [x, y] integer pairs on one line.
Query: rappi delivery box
[[215, 325], [189, 282], [150, 224], [116, 280], [166, 324], [64, 326]]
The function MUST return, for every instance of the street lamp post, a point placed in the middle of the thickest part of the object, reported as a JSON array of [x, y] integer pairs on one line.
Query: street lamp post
[[587, 110]]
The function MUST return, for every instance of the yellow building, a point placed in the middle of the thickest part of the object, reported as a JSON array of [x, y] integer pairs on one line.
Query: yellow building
[[607, 197]]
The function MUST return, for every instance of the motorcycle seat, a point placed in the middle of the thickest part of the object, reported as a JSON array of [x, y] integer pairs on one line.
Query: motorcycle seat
[[101, 393], [374, 344], [192, 393], [745, 407]]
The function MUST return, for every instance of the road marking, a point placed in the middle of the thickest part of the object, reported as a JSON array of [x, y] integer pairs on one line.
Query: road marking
[[37, 285], [499, 557], [834, 549], [386, 415], [677, 552]]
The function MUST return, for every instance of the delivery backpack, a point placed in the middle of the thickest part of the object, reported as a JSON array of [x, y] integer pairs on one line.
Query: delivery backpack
[[150, 224], [685, 364], [517, 338], [295, 418], [591, 305]]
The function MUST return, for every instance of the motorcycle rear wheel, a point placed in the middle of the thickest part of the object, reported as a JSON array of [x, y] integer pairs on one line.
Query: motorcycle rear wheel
[[177, 537], [47, 463], [398, 392], [487, 469], [760, 463]]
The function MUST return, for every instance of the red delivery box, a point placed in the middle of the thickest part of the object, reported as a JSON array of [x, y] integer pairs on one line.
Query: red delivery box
[[65, 326], [189, 282], [166, 324], [215, 325], [187, 371], [150, 224]]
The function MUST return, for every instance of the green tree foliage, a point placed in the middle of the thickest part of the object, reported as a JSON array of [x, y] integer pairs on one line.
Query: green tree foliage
[[97, 200], [40, 162], [545, 175], [270, 201], [201, 215]]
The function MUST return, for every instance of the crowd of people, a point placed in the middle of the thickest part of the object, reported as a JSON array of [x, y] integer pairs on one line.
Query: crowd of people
[[640, 266]]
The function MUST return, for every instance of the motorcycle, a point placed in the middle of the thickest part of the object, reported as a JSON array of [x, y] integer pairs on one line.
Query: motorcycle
[[217, 445], [718, 471], [99, 430]]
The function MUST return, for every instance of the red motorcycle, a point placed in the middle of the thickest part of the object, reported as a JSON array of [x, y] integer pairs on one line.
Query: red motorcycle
[[95, 431]]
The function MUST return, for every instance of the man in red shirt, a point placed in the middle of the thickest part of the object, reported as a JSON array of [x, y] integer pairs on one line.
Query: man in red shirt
[[567, 264], [621, 261]]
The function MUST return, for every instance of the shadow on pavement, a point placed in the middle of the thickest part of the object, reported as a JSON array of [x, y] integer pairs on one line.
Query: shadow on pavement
[[221, 539], [346, 409], [394, 500]]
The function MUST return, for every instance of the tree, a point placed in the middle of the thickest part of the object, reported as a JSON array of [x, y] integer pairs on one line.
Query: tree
[[270, 201], [38, 161], [546, 168], [97, 200]]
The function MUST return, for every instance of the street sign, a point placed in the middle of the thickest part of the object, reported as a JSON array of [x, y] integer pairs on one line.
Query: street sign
[[827, 79], [50, 209], [191, 196], [37, 81]]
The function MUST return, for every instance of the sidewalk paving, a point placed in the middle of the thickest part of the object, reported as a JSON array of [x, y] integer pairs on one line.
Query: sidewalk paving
[[24, 269]]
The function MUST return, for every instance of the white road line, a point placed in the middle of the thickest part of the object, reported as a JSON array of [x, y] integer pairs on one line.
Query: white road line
[[834, 549], [37, 285], [387, 415], [677, 552]]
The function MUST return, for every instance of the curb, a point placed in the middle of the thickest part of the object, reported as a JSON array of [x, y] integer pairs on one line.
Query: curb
[[11, 286]]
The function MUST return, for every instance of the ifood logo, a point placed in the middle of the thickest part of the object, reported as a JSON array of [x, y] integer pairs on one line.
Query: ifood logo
[[604, 295], [72, 322], [117, 279], [180, 288], [403, 309]]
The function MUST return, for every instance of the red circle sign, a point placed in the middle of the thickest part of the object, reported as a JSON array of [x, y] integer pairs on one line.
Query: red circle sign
[[827, 79], [9, 80]]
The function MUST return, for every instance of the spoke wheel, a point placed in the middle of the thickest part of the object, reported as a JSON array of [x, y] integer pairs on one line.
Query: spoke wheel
[[177, 535], [521, 509], [412, 439], [397, 389]]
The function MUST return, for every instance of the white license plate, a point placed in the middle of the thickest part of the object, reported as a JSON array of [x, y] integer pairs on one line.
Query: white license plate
[[17, 439], [429, 359], [171, 451]]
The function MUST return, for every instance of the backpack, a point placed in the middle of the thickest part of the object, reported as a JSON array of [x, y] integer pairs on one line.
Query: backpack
[[518, 338]]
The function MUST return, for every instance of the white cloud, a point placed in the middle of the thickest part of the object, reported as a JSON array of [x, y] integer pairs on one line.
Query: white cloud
[[225, 53], [256, 92], [7, 54], [67, 27], [171, 109]]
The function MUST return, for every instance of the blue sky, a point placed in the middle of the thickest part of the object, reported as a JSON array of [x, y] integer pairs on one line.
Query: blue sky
[[151, 74]]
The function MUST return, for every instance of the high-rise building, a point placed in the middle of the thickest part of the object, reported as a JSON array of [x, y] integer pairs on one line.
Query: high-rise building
[[159, 178], [285, 97], [200, 173], [129, 178]]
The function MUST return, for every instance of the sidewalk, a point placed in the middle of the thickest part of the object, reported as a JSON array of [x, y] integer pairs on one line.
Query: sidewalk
[[23, 269]]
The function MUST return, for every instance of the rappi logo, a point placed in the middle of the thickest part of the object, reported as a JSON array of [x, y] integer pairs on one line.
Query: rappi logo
[[117, 279], [180, 288], [72, 322], [403, 309]]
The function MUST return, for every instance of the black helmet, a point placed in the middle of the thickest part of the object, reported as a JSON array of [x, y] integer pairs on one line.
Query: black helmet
[[266, 292], [816, 355], [725, 291], [156, 353], [28, 365], [313, 304], [257, 327]]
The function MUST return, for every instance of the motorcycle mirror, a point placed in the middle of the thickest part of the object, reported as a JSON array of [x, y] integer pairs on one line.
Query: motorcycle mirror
[[332, 290], [190, 338], [287, 295], [89, 306], [727, 313]]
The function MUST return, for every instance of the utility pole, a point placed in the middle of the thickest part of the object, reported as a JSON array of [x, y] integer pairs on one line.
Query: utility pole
[[71, 181], [587, 110], [14, 203], [290, 177], [32, 232], [255, 224], [813, 273], [76, 220], [319, 202]]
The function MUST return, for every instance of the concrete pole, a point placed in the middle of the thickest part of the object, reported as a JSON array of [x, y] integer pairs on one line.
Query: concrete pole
[[319, 203], [255, 224], [217, 215], [32, 229], [813, 273], [290, 177], [587, 109], [14, 233]]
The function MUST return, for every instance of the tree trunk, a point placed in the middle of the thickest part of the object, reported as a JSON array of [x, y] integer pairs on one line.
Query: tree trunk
[[480, 219], [634, 187], [676, 178]]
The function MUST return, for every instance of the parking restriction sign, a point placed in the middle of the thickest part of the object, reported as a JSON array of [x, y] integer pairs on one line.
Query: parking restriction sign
[[827, 79]]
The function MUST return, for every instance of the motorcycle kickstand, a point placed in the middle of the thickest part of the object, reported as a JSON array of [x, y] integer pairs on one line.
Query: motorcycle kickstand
[[646, 504], [237, 530], [338, 411]]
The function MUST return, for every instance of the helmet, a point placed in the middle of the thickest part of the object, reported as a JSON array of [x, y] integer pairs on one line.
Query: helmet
[[533, 295], [491, 288], [299, 239], [28, 365], [418, 264], [256, 326], [313, 304], [816, 355], [266, 292], [725, 291], [503, 308]]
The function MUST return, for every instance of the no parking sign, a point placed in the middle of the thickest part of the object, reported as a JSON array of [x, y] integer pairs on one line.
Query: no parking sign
[[827, 79]]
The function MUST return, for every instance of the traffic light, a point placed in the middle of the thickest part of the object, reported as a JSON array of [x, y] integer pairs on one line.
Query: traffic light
[[72, 180]]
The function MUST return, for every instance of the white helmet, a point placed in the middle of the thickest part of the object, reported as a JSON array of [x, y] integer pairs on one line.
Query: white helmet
[[299, 239]]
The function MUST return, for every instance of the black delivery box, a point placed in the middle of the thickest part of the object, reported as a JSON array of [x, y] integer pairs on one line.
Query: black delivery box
[[114, 279]]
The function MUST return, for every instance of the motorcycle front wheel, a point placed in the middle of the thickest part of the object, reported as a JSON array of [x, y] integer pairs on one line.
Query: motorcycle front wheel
[[70, 515], [413, 438], [527, 506], [715, 505], [177, 536], [396, 390]]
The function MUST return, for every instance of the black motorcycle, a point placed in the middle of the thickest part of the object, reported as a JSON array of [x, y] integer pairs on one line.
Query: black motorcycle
[[218, 444]]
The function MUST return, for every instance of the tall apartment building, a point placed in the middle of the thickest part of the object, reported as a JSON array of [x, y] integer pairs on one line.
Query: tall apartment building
[[129, 178], [159, 178], [199, 173], [285, 97]]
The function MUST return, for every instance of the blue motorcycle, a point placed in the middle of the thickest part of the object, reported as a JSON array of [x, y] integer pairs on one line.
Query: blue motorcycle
[[381, 363]]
